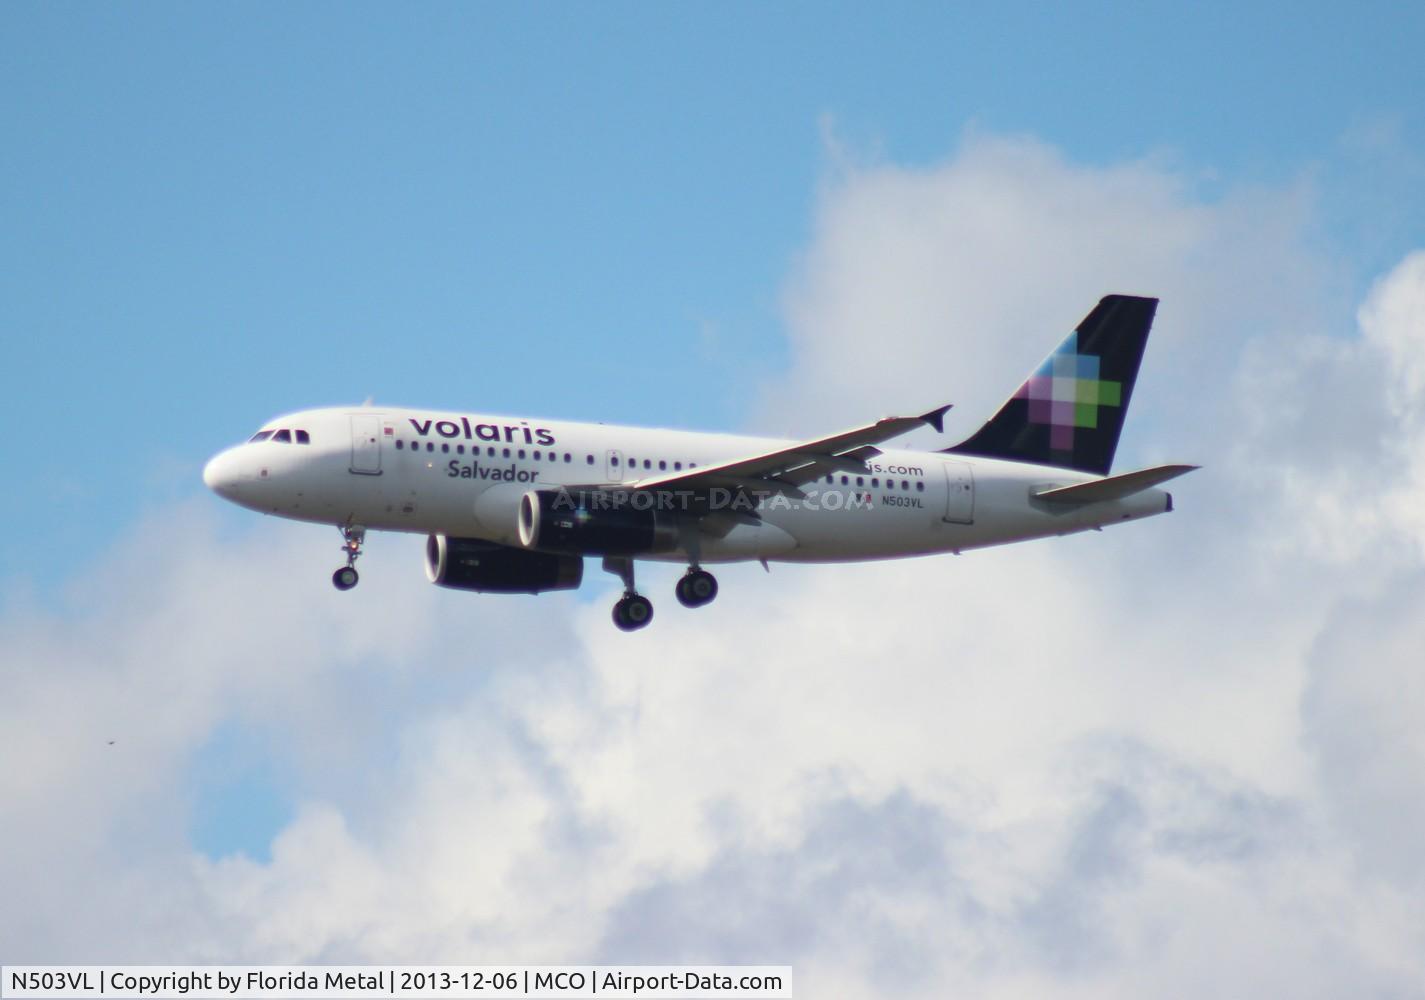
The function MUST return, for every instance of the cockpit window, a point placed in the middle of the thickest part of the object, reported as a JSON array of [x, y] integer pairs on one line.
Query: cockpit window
[[284, 435], [259, 436], [303, 437]]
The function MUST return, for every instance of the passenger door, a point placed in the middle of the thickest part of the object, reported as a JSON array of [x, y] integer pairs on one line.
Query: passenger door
[[366, 444], [959, 493]]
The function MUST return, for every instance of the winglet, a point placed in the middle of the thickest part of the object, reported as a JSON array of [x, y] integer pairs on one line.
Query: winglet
[[936, 418]]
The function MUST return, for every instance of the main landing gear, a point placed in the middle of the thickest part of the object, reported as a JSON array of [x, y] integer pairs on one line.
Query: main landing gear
[[633, 611], [696, 588], [353, 536]]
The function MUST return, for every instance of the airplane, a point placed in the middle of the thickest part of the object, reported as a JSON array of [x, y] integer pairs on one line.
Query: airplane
[[514, 505]]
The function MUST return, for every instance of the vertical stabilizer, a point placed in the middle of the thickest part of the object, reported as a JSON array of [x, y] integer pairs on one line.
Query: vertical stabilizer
[[1070, 412]]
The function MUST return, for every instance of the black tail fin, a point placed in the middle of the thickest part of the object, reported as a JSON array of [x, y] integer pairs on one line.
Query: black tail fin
[[1070, 412]]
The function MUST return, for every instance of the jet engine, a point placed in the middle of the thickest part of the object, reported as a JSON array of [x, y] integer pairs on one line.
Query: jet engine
[[473, 564], [596, 522]]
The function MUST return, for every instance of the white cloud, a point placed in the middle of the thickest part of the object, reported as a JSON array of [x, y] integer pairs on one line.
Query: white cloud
[[1393, 319], [1177, 758], [1363, 706]]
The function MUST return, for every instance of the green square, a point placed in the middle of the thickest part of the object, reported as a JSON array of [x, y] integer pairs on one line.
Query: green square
[[1097, 393], [1085, 415]]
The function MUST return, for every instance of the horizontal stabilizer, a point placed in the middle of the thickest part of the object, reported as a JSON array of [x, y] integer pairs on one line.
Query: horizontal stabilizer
[[1114, 487]]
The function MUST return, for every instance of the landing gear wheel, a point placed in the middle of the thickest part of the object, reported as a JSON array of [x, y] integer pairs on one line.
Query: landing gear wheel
[[352, 536], [633, 612], [345, 578], [696, 588]]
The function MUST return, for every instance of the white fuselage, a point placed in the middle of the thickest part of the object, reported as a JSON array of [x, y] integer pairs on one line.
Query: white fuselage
[[463, 475]]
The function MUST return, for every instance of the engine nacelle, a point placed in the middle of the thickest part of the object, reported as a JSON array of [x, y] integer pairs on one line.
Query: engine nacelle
[[473, 564], [601, 522]]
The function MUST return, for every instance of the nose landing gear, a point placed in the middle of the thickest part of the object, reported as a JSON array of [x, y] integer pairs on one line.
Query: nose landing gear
[[353, 536], [696, 588]]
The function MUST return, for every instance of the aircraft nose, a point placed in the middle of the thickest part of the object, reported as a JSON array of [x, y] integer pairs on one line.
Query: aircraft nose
[[221, 474]]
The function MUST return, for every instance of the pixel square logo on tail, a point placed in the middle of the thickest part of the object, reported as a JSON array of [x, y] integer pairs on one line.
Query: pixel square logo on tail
[[1066, 393]]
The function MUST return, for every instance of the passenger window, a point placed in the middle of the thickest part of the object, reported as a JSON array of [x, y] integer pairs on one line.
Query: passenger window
[[569, 458], [303, 437], [590, 460], [259, 436], [860, 481], [662, 465], [677, 466], [445, 447], [905, 484], [460, 449], [400, 444], [615, 458], [506, 453], [875, 484], [536, 456], [844, 480], [920, 486], [284, 435], [430, 446], [521, 453]]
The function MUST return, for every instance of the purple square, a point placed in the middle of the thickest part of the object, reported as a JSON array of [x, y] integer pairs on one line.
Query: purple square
[[1041, 387]]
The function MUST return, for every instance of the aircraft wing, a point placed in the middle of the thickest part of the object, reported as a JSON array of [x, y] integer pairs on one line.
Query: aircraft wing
[[787, 469]]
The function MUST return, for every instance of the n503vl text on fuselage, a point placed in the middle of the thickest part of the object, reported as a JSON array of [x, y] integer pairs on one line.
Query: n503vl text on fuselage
[[514, 505]]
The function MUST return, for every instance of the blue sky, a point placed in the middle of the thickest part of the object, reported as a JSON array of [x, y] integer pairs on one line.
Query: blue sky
[[755, 217]]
